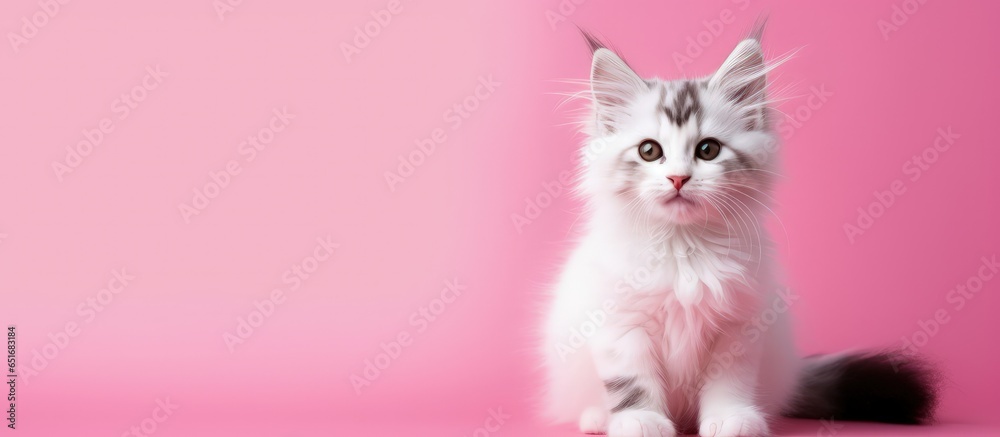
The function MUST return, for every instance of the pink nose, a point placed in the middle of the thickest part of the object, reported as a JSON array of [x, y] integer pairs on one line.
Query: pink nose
[[678, 181]]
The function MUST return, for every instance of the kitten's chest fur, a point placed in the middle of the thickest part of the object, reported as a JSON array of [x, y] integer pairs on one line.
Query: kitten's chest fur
[[684, 291], [683, 272]]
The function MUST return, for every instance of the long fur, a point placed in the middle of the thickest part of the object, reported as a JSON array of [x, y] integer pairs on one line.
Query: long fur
[[669, 315]]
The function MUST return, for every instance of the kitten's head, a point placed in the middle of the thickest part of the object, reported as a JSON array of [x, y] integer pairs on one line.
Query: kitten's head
[[679, 152]]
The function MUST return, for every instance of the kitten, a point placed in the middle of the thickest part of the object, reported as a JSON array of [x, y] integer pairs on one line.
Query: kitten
[[668, 315]]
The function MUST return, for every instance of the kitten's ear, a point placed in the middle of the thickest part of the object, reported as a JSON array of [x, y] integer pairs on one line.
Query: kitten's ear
[[743, 76], [614, 85]]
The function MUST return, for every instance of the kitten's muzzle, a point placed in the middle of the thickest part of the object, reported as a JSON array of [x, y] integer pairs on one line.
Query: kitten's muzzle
[[679, 181]]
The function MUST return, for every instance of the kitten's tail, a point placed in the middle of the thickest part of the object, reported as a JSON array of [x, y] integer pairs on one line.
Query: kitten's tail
[[878, 387]]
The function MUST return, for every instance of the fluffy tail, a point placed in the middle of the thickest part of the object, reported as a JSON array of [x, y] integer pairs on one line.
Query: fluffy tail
[[877, 387]]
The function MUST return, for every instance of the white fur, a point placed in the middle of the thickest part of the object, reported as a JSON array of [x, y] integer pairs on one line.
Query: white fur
[[667, 293]]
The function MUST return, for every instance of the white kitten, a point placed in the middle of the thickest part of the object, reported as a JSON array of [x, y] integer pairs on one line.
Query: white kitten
[[668, 316]]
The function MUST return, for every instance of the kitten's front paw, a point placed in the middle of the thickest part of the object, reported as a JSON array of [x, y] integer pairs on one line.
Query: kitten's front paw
[[746, 423], [640, 423]]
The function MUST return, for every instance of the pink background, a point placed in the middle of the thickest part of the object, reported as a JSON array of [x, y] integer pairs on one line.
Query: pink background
[[323, 175]]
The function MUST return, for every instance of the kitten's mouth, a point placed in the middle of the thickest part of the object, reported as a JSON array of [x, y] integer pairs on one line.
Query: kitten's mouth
[[677, 199]]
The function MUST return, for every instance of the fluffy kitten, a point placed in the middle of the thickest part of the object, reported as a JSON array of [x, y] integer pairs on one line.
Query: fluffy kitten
[[668, 316]]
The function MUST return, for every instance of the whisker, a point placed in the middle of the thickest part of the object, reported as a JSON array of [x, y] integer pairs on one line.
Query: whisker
[[729, 242], [737, 184], [744, 169], [768, 208], [743, 226], [756, 224]]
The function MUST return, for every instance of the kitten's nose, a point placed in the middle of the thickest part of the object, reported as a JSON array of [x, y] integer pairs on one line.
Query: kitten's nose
[[678, 181]]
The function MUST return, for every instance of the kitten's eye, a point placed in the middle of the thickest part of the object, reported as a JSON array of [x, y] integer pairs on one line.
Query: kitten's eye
[[708, 149], [650, 151]]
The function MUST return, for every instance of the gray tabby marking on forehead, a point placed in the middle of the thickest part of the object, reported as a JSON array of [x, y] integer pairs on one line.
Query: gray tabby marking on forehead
[[686, 102], [663, 95]]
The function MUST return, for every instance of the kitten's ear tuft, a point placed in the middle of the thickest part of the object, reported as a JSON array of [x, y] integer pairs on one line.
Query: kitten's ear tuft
[[757, 31], [614, 85], [592, 41], [743, 76]]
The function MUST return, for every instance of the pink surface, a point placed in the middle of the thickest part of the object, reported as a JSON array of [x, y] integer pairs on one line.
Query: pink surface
[[361, 263]]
